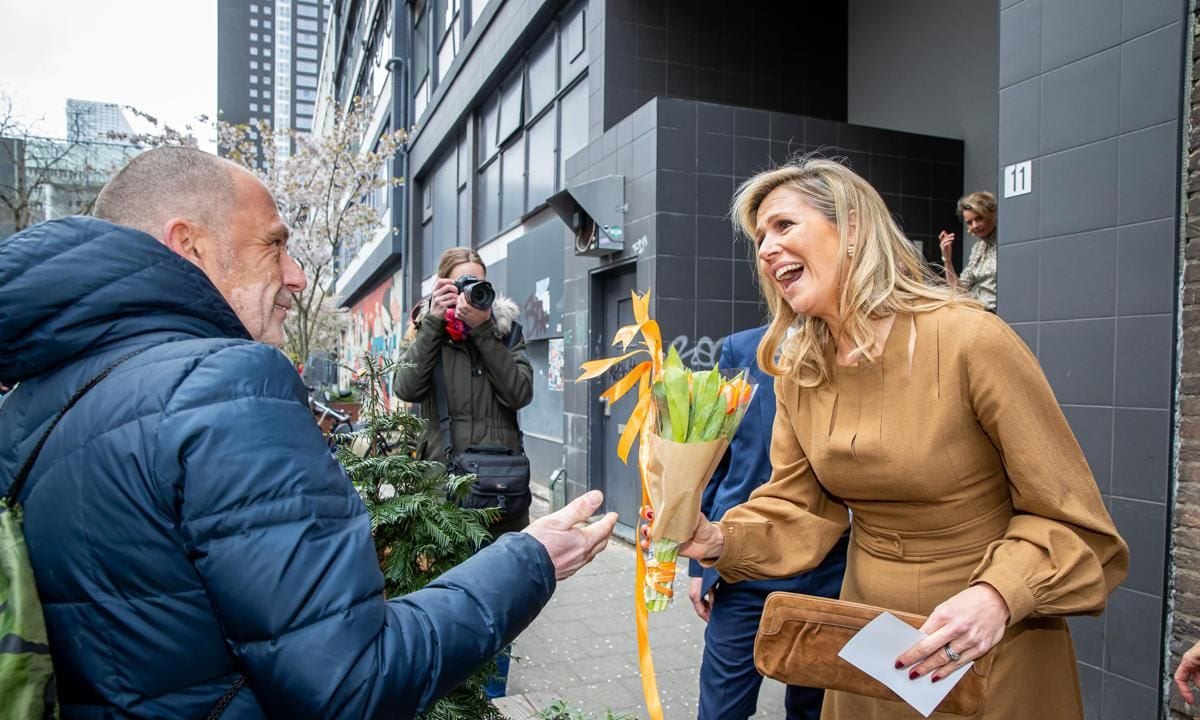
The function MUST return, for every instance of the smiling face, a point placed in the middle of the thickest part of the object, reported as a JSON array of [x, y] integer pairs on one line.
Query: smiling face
[[798, 252], [978, 224], [254, 272]]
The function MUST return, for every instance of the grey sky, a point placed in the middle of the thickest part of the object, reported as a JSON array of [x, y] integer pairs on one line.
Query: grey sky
[[159, 56]]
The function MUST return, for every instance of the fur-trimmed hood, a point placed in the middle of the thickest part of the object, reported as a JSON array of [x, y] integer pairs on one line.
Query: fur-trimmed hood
[[504, 313]]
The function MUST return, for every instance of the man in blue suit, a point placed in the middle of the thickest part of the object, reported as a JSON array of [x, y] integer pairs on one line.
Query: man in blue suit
[[729, 683]]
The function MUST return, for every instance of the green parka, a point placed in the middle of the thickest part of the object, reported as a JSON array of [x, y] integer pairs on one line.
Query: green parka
[[486, 381]]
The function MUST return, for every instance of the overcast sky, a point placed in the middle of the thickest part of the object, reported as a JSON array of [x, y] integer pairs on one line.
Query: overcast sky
[[159, 56]]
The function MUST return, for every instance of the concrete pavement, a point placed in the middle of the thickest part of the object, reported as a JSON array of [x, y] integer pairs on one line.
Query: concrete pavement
[[583, 648]]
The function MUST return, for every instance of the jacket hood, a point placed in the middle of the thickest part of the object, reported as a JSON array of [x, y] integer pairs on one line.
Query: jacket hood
[[75, 286], [504, 313]]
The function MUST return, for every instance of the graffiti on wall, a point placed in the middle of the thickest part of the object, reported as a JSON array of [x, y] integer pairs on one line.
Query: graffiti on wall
[[376, 325], [700, 355]]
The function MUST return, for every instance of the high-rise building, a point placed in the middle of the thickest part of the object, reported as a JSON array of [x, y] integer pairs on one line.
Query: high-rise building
[[89, 121], [267, 60]]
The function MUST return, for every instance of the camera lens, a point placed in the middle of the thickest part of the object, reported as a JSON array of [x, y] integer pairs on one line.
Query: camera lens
[[481, 295]]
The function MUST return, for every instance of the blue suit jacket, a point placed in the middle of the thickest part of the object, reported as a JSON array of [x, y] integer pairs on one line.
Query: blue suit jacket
[[747, 462]]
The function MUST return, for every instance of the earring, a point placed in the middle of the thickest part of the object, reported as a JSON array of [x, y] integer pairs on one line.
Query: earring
[[849, 251]]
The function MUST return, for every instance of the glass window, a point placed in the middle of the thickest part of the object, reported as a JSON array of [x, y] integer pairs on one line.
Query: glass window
[[464, 161], [253, 107], [306, 10], [267, 24], [266, 9], [445, 58], [512, 194], [267, 52], [266, 95], [253, 93], [253, 22], [421, 101], [304, 108], [573, 128], [573, 59], [307, 53], [421, 47], [302, 94], [253, 50], [445, 205], [304, 123], [253, 37], [488, 118], [267, 67], [464, 212], [489, 201], [253, 8], [510, 105], [541, 160], [306, 67], [254, 79], [306, 38], [477, 7], [253, 64], [309, 81], [542, 76], [309, 25]]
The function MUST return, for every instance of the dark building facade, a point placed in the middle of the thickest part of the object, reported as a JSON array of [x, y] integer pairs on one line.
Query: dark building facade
[[645, 116], [268, 57]]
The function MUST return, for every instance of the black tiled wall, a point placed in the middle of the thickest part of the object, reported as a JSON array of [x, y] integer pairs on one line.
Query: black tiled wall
[[783, 56], [682, 160], [1090, 93]]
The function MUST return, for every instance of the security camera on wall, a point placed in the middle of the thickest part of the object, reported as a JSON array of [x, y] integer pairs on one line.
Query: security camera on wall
[[594, 212]]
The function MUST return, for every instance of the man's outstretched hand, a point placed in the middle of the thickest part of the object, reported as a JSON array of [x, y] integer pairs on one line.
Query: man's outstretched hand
[[572, 547]]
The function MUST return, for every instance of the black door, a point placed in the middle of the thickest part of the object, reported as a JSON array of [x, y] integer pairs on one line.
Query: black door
[[620, 482]]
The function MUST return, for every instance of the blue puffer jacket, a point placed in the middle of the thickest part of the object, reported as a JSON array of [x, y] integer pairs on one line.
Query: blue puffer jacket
[[185, 520]]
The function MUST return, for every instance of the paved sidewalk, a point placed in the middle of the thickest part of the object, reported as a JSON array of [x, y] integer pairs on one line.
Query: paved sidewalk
[[583, 648]]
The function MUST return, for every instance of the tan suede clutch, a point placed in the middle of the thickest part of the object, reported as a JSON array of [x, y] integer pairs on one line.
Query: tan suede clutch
[[800, 636]]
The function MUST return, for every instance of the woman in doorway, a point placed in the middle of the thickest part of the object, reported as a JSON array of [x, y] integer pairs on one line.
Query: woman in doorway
[[902, 401], [978, 278]]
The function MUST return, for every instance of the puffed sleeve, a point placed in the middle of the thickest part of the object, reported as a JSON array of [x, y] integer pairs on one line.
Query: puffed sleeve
[[789, 523], [1061, 554]]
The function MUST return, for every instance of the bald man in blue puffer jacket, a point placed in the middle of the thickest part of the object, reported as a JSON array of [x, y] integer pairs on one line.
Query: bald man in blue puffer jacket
[[191, 537]]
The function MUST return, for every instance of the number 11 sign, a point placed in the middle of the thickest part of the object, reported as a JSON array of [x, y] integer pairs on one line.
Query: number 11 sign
[[1018, 179]]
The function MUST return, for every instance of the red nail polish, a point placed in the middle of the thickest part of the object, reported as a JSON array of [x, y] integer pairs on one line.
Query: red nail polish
[[912, 675], [899, 664], [935, 678]]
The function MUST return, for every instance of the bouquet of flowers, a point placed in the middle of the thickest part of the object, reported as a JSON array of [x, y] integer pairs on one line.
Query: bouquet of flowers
[[695, 415], [685, 420]]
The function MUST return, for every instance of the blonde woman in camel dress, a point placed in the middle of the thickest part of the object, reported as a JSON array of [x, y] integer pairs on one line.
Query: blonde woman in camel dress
[[926, 416]]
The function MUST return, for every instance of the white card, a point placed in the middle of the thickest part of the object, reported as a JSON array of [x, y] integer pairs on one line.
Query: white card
[[874, 650]]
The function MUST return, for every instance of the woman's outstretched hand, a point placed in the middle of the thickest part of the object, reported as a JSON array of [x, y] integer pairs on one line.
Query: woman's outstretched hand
[[707, 541], [969, 623]]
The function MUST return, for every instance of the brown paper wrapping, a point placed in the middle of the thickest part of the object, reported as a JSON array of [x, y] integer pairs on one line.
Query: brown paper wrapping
[[677, 474]]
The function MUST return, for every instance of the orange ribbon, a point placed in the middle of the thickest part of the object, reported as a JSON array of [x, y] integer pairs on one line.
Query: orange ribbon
[[641, 376]]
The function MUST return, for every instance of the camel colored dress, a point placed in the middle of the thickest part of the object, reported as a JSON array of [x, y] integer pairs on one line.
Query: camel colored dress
[[959, 468]]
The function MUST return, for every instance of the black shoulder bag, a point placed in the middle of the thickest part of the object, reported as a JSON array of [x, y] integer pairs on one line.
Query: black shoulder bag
[[501, 473]]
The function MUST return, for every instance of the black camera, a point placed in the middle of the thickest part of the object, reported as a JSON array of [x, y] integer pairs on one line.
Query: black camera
[[480, 293]]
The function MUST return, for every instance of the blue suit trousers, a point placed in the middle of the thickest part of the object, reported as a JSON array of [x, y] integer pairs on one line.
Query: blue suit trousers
[[729, 682]]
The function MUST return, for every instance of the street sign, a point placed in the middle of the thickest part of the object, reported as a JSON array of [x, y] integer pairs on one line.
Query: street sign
[[1018, 179]]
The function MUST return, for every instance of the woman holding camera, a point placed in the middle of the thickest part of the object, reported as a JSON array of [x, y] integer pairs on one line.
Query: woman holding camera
[[475, 338]]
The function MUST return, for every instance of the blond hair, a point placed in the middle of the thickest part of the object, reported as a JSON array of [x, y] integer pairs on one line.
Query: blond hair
[[983, 204], [456, 256], [882, 275]]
